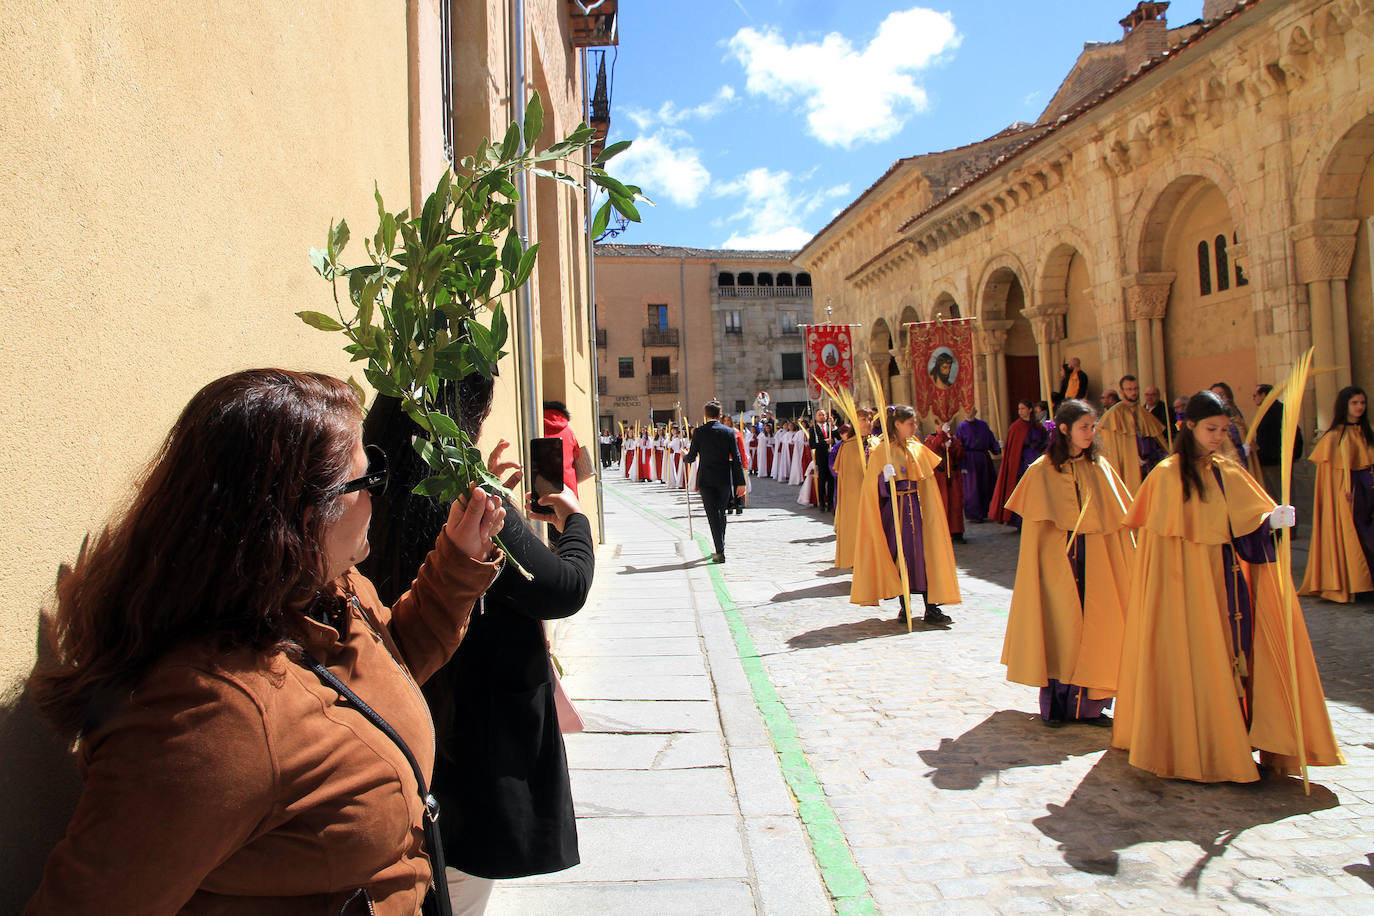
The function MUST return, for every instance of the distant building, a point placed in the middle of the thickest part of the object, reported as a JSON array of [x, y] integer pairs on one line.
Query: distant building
[[678, 326]]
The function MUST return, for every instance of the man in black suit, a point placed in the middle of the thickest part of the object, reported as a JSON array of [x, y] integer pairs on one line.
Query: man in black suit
[[819, 442], [721, 470]]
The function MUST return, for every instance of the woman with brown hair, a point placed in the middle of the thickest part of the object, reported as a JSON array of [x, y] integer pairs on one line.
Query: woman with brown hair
[[1340, 562], [221, 774]]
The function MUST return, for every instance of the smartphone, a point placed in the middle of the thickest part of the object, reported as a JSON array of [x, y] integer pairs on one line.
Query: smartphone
[[546, 470]]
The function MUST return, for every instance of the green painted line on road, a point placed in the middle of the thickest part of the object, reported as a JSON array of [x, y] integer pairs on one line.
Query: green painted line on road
[[841, 873]]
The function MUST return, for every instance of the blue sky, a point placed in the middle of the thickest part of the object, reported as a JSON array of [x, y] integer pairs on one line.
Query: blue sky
[[755, 121]]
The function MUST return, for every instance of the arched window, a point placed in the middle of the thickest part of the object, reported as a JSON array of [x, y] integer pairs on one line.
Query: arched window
[[803, 279], [765, 279], [784, 279], [1204, 269], [954, 310], [1241, 278], [1223, 266], [746, 278], [725, 278]]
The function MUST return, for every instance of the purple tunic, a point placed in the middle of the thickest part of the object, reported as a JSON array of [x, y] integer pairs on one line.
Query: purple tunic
[[979, 476], [913, 532], [1065, 702], [1362, 507]]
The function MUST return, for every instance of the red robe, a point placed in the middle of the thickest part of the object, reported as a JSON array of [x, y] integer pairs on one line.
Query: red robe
[[948, 476], [743, 452], [1007, 478]]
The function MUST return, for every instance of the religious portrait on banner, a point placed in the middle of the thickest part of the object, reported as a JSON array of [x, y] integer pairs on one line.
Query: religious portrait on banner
[[944, 350], [829, 358]]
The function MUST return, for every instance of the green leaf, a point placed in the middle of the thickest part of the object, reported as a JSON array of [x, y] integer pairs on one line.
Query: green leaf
[[445, 427], [510, 146], [625, 206], [511, 252], [611, 151], [382, 382], [319, 261], [437, 486], [526, 264], [534, 119], [358, 390], [319, 320], [500, 327], [603, 219], [338, 238]]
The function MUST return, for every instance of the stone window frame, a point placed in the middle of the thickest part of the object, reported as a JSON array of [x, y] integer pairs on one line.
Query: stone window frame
[[626, 363]]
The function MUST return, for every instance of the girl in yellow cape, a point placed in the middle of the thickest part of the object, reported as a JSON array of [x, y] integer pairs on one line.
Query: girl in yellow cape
[[1342, 552], [1205, 662], [849, 479], [1068, 607], [920, 515]]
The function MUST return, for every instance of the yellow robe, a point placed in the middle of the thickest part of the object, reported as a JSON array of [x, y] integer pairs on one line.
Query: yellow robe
[[849, 481], [875, 572], [1117, 432], [1336, 564], [1050, 633], [1177, 706]]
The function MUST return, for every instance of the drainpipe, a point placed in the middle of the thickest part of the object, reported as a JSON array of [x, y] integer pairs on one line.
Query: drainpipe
[[682, 321], [527, 381], [591, 307]]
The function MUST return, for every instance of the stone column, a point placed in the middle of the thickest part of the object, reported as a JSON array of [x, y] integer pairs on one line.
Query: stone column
[[992, 341], [1324, 250], [878, 359], [1147, 298], [1047, 324]]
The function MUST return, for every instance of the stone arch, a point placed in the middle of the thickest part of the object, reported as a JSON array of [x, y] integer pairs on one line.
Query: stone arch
[[880, 356], [1328, 189], [764, 279], [1002, 295], [991, 300], [903, 355], [1063, 284], [785, 279], [946, 306], [725, 278], [1145, 234]]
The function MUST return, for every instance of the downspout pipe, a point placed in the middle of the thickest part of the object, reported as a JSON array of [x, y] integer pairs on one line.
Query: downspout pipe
[[682, 312], [527, 372], [591, 307]]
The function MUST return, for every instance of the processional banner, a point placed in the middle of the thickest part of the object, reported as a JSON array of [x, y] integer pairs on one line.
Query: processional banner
[[942, 367], [829, 357]]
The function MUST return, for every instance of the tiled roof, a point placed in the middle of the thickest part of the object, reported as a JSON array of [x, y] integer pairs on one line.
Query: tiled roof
[[679, 251], [1088, 104]]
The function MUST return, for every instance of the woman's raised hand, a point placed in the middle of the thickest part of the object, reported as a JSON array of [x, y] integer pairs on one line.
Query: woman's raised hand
[[497, 467], [473, 520]]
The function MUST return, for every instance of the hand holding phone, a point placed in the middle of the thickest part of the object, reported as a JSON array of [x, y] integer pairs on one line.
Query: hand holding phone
[[546, 471]]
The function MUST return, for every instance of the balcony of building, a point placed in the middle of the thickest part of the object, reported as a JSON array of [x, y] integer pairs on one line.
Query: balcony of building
[[601, 384], [763, 285], [660, 337], [662, 384]]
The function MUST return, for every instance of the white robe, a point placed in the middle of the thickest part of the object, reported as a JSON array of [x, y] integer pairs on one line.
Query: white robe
[[763, 453], [804, 495], [675, 451], [782, 459], [795, 472]]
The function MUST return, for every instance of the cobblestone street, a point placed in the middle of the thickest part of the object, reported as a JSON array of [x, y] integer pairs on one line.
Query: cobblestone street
[[953, 798]]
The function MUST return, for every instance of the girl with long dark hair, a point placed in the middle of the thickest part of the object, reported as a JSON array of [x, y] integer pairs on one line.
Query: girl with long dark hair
[[221, 774], [1073, 574], [917, 516], [1205, 661], [1341, 557], [501, 776]]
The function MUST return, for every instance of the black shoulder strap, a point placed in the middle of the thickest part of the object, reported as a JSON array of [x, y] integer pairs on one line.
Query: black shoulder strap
[[433, 843]]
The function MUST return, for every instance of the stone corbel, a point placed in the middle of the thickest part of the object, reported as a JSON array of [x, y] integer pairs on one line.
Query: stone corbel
[[1324, 249], [1147, 294]]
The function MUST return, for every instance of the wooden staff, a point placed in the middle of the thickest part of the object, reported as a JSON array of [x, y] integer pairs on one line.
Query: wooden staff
[[892, 494], [1073, 535], [686, 477]]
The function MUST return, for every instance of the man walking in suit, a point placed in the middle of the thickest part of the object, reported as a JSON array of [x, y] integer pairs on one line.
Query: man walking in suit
[[819, 443], [721, 471]]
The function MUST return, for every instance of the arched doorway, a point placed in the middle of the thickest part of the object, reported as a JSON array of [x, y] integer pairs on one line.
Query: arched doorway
[[1338, 197], [880, 357], [1004, 298], [905, 391], [1209, 324], [1064, 283]]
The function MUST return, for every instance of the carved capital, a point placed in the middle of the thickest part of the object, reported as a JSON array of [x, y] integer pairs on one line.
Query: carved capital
[[1147, 294], [991, 336], [1047, 328], [1324, 249]]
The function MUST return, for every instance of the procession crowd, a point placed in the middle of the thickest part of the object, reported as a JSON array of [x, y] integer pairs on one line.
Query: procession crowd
[[1148, 575]]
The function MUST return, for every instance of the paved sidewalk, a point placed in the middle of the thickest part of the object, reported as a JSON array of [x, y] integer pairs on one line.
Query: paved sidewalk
[[682, 806]]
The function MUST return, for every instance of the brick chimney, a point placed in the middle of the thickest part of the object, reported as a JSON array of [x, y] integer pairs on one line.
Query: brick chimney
[[1147, 34]]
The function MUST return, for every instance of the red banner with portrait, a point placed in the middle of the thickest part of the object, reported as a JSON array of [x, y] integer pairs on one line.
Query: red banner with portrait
[[829, 357], [942, 367]]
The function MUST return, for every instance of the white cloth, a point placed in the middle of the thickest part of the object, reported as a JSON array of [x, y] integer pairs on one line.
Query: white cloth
[[469, 893], [763, 453], [804, 495], [782, 459], [795, 472], [675, 450]]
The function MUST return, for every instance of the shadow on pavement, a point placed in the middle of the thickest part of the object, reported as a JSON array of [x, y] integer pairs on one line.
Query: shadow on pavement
[[1364, 872], [1106, 813], [1005, 740], [824, 539], [685, 564], [824, 590], [853, 631]]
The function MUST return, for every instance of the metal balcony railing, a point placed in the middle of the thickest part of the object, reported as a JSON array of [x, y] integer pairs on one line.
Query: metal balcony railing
[[662, 384], [660, 337], [764, 292]]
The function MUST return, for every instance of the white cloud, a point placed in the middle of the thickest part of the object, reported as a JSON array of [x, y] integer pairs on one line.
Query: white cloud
[[665, 167], [773, 207], [669, 114], [850, 96]]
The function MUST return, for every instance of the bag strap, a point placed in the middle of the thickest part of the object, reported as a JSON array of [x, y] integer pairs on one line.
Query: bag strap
[[433, 842]]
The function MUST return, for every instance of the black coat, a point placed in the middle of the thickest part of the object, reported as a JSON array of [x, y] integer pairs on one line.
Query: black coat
[[501, 776], [715, 445]]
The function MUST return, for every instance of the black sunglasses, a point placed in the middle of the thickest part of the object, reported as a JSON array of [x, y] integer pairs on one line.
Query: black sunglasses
[[376, 477]]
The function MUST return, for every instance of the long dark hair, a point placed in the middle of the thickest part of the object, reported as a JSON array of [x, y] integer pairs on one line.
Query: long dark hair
[[895, 414], [223, 540], [1201, 406], [1343, 410], [1069, 413], [405, 525]]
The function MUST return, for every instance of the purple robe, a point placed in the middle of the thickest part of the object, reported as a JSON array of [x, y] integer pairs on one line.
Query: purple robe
[[1060, 702], [980, 478], [913, 531], [1362, 507]]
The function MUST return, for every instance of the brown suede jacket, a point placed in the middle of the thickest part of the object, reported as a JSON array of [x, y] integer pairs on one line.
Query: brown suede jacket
[[237, 784]]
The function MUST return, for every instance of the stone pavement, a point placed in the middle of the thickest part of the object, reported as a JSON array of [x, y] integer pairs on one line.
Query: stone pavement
[[945, 789]]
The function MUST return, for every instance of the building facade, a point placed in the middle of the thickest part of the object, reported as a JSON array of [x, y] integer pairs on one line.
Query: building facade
[[679, 326], [1193, 206], [159, 225]]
